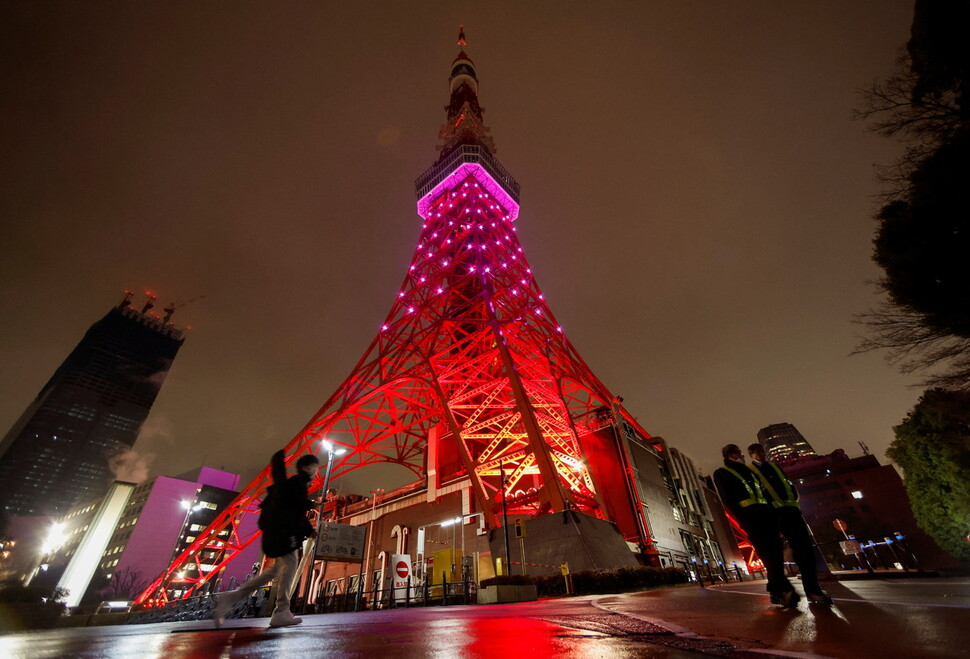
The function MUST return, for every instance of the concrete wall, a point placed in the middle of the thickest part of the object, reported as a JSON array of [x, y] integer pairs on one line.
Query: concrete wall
[[584, 542]]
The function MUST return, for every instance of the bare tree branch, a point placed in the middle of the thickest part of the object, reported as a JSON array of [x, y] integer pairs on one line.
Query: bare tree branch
[[912, 346]]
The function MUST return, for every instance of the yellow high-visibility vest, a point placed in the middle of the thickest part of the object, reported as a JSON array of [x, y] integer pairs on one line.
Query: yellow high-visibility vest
[[778, 501], [755, 495]]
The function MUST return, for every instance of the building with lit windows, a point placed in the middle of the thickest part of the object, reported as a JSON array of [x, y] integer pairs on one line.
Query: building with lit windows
[[707, 544], [118, 544], [58, 454], [163, 516], [783, 442], [871, 500]]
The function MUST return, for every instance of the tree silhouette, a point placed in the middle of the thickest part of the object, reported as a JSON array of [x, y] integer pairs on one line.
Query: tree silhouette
[[924, 224], [125, 584]]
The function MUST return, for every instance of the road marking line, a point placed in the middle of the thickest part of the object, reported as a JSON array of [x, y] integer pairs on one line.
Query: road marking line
[[663, 624], [859, 601]]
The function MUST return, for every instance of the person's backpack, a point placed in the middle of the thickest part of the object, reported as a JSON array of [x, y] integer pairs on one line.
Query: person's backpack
[[266, 508], [268, 505]]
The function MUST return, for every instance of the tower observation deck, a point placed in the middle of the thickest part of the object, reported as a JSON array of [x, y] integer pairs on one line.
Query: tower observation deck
[[470, 381]]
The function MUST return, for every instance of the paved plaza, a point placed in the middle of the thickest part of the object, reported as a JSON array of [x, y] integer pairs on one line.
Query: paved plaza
[[871, 618]]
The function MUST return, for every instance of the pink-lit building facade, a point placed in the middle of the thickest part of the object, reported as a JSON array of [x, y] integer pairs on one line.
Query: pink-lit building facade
[[162, 517], [156, 520]]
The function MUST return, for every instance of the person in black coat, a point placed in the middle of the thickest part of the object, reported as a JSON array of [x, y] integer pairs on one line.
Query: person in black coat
[[741, 492], [783, 497], [283, 521]]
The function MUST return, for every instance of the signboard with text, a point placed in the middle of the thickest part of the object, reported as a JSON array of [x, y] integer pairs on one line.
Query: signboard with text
[[341, 542]]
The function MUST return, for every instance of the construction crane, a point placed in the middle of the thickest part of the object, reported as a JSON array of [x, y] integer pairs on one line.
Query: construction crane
[[170, 309]]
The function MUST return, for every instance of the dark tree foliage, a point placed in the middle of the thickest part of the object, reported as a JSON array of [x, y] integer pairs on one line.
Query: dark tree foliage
[[932, 446], [938, 48], [923, 243], [924, 225]]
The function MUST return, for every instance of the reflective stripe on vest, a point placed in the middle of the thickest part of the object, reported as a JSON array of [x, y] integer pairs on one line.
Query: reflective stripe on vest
[[777, 500], [754, 496]]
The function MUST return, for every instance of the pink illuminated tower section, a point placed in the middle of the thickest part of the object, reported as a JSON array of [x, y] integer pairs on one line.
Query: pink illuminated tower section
[[470, 376]]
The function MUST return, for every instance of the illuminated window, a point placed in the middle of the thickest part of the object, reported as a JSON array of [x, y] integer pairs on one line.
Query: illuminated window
[[857, 494]]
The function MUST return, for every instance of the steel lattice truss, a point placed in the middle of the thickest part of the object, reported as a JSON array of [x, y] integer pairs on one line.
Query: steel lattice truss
[[470, 356], [748, 553]]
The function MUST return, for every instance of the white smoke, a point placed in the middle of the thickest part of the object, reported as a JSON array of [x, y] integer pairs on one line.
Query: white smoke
[[134, 466], [131, 466]]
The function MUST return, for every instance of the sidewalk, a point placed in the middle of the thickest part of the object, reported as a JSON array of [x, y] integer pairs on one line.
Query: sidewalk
[[871, 618]]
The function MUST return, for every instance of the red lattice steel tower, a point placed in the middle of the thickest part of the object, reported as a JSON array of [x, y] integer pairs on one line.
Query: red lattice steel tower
[[469, 376]]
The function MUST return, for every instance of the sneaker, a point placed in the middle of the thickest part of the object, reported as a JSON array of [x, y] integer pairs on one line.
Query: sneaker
[[224, 603], [776, 599], [285, 619], [789, 600], [819, 598]]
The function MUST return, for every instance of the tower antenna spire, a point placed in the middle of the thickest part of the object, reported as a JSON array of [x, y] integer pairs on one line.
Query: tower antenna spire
[[461, 36]]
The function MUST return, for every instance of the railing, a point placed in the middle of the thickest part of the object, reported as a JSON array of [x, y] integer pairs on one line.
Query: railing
[[388, 596], [467, 153]]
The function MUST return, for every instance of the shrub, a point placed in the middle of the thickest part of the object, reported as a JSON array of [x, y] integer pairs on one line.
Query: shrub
[[30, 607]]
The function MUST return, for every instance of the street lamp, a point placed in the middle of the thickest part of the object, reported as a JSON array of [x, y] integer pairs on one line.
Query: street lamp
[[307, 580], [331, 452], [190, 507]]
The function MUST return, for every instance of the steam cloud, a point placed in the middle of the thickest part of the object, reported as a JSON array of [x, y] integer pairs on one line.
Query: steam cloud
[[131, 466]]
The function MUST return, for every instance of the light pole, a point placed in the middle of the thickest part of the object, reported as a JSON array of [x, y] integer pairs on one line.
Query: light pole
[[505, 519], [190, 507], [331, 452], [371, 545]]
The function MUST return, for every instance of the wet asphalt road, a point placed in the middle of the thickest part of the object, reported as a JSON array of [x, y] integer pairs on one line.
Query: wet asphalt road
[[899, 618]]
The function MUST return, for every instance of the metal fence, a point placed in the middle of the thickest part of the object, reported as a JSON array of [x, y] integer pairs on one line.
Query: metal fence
[[385, 595]]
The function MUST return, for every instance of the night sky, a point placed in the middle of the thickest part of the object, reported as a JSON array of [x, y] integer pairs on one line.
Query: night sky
[[696, 201]]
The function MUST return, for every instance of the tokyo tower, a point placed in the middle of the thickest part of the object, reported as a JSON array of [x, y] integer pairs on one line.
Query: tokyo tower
[[469, 377]]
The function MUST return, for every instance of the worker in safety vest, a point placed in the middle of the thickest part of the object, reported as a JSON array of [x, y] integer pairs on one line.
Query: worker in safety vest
[[741, 492], [783, 497]]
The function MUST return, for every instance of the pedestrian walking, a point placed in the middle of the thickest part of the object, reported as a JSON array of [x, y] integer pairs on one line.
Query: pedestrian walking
[[283, 521], [741, 492], [783, 497]]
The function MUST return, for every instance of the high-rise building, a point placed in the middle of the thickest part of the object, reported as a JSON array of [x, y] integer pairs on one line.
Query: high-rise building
[[783, 442], [58, 454]]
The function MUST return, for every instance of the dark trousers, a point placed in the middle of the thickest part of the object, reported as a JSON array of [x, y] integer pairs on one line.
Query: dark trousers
[[759, 522], [792, 526]]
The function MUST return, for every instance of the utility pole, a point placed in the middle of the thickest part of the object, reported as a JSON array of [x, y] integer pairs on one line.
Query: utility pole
[[370, 532], [505, 519], [307, 580]]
